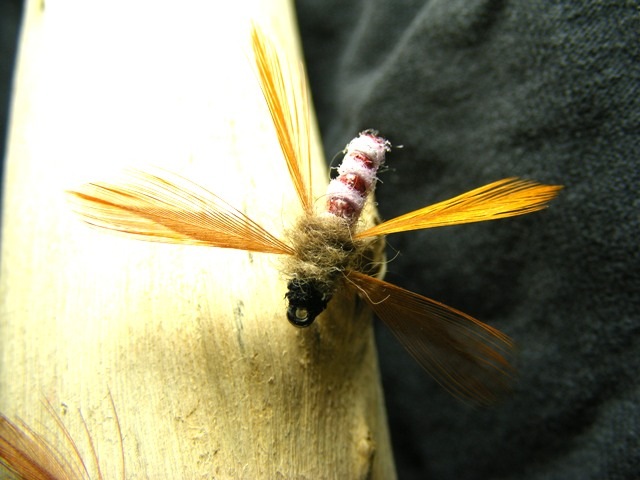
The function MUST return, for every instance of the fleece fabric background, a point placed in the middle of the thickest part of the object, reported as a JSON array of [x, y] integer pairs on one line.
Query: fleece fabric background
[[477, 90]]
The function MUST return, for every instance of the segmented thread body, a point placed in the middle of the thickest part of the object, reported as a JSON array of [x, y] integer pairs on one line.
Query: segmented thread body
[[347, 193]]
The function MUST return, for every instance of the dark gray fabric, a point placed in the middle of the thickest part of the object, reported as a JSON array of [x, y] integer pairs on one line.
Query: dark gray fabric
[[10, 14], [477, 91]]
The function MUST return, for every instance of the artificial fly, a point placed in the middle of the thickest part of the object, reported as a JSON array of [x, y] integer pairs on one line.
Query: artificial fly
[[330, 251]]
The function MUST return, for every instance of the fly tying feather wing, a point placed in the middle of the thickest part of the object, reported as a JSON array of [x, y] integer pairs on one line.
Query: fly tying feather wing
[[284, 86], [505, 198], [468, 358], [171, 209]]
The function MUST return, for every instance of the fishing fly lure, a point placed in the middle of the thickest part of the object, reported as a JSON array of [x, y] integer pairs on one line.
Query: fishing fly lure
[[330, 250]]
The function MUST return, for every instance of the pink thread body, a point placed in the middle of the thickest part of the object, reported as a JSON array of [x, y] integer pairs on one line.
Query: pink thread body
[[347, 193]]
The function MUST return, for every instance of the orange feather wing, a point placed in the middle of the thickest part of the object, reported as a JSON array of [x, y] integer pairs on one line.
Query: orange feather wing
[[468, 358], [171, 210], [284, 86], [505, 198]]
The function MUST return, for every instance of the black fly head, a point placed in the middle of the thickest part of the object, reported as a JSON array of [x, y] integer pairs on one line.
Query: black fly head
[[306, 300]]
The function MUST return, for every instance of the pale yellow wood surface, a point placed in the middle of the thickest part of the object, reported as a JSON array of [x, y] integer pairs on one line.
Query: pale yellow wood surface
[[208, 378]]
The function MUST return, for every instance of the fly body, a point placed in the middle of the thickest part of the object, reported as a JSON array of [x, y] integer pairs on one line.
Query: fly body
[[324, 245]]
